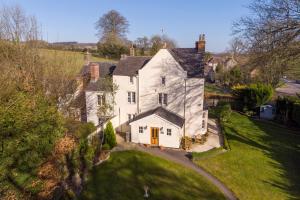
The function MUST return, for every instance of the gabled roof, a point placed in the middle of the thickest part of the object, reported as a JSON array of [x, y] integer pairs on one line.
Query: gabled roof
[[130, 65], [190, 60], [163, 113]]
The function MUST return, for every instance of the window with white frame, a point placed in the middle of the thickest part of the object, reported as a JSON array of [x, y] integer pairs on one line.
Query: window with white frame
[[101, 99], [163, 80], [163, 99], [203, 123], [169, 132], [141, 129], [131, 116], [131, 97], [131, 79]]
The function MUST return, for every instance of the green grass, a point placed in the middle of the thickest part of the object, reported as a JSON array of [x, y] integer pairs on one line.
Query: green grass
[[263, 163], [213, 88], [207, 154], [125, 174]]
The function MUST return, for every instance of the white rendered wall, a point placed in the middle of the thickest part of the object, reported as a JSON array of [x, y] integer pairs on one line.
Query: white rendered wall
[[122, 107], [92, 105], [172, 141], [163, 64]]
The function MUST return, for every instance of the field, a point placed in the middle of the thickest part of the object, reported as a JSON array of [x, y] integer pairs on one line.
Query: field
[[73, 60], [125, 174], [263, 162]]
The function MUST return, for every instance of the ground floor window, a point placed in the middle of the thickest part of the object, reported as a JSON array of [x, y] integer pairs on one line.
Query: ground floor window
[[203, 124], [169, 131], [141, 129]]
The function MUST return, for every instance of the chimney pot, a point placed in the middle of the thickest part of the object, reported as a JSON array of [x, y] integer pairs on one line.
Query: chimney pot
[[200, 45], [132, 50]]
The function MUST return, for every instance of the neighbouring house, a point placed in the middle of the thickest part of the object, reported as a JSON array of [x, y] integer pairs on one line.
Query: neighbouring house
[[157, 100], [225, 62]]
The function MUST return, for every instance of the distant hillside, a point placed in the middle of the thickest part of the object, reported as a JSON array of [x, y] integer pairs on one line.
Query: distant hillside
[[75, 60]]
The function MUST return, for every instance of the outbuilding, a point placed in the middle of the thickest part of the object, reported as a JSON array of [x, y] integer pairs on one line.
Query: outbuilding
[[157, 127]]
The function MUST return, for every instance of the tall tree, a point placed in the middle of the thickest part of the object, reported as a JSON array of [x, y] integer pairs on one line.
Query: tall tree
[[111, 29], [271, 34], [112, 24]]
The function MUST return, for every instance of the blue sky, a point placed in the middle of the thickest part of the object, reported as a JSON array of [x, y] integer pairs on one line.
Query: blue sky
[[182, 20]]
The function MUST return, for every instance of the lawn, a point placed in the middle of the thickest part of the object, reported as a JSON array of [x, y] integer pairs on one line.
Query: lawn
[[125, 174], [263, 163]]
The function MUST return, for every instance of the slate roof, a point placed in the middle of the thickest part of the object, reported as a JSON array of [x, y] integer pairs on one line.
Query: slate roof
[[130, 65], [190, 60], [163, 113], [106, 69]]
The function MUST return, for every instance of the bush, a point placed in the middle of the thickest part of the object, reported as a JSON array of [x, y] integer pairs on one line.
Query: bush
[[225, 112], [296, 113], [106, 147], [288, 110], [253, 95], [110, 136]]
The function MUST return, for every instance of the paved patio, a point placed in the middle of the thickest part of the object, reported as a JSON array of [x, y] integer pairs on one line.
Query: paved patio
[[214, 139]]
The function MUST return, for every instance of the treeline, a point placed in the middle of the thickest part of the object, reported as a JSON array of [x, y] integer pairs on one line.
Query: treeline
[[112, 29]]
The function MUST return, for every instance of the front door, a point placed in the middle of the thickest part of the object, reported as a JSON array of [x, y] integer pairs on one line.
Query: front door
[[154, 136]]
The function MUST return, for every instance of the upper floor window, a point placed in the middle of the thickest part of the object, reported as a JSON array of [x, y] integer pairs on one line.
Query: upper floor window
[[163, 80], [131, 79], [203, 124], [131, 97], [101, 100], [163, 99]]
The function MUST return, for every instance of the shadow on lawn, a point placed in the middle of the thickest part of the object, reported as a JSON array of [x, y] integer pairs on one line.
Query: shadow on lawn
[[283, 148], [125, 175]]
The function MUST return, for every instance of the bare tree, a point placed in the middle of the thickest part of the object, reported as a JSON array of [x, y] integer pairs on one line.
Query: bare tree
[[16, 26], [142, 44], [271, 35], [112, 24]]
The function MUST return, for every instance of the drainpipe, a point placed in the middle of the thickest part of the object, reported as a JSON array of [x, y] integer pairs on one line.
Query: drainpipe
[[138, 94], [184, 102]]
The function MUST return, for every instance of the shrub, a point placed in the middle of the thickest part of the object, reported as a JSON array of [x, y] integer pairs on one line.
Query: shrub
[[109, 135], [296, 112], [106, 147], [253, 95], [225, 112], [85, 129]]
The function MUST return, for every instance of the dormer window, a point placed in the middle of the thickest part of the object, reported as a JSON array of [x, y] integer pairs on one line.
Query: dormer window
[[131, 79], [163, 80]]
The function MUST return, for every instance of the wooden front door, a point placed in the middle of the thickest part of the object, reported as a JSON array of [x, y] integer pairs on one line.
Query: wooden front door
[[154, 135]]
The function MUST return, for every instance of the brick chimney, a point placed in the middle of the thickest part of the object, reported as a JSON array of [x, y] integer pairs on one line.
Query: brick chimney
[[95, 71], [200, 45], [132, 50]]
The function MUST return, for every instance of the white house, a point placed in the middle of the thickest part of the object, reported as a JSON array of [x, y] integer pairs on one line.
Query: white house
[[158, 100]]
